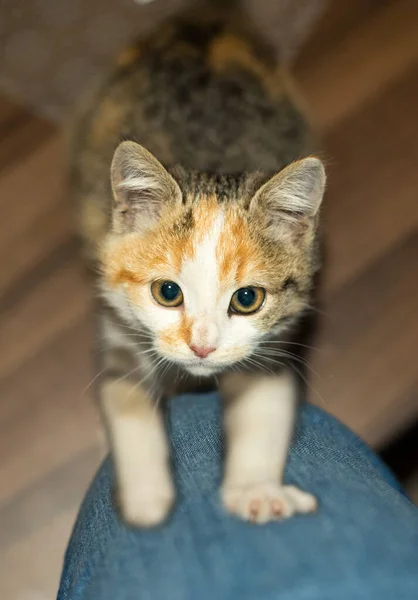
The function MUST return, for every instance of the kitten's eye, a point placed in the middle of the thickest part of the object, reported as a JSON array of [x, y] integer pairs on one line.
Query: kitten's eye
[[247, 301], [167, 293]]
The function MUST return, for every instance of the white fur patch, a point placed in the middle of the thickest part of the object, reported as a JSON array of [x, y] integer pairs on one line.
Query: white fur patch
[[148, 181], [140, 452], [199, 276], [259, 425]]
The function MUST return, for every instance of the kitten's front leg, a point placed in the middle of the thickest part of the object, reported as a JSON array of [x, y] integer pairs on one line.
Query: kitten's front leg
[[259, 417], [140, 453]]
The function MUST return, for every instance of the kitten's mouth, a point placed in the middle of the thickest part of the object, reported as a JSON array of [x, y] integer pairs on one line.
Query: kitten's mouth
[[201, 367]]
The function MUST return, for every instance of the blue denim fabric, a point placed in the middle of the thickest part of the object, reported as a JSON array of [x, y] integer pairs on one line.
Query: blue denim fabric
[[362, 544]]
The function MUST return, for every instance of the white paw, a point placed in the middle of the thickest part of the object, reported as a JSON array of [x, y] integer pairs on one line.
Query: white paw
[[263, 502], [146, 506]]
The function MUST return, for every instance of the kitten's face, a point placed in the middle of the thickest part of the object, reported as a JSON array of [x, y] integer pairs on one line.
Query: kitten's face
[[205, 278], [203, 284]]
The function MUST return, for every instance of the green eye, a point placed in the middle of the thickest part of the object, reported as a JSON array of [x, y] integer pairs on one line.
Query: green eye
[[247, 301], [167, 293]]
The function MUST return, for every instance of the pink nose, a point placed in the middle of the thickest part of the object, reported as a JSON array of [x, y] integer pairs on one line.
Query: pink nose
[[201, 352]]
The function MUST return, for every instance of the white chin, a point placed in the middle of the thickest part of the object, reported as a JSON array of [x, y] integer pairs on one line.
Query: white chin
[[201, 370]]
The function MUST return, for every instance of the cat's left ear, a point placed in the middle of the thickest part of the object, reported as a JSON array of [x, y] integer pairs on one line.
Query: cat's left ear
[[142, 188], [290, 200]]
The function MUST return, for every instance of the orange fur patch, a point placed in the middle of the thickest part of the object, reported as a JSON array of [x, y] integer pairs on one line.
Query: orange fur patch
[[229, 50], [182, 50], [169, 333], [107, 120], [204, 215], [182, 247], [185, 329], [237, 253], [128, 56], [182, 331], [160, 253], [125, 276], [135, 260]]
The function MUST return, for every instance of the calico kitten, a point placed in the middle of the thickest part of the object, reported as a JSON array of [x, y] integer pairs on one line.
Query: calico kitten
[[205, 240]]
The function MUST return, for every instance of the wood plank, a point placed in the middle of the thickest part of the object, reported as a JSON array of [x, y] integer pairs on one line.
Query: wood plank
[[338, 20], [9, 112], [28, 190], [361, 64], [52, 306], [47, 416], [371, 201], [60, 490], [22, 135], [368, 340], [30, 569], [37, 257]]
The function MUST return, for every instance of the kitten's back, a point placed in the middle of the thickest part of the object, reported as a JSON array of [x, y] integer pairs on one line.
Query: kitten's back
[[203, 91]]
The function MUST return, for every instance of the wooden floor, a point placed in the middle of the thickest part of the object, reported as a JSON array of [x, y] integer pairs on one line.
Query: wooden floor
[[359, 74]]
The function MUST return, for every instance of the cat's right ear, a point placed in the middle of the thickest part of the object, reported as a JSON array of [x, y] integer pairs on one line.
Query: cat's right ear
[[142, 188]]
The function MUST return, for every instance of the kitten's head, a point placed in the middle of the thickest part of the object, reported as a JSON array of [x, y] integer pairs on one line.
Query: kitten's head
[[209, 266]]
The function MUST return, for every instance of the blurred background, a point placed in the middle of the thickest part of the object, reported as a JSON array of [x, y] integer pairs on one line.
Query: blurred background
[[356, 63]]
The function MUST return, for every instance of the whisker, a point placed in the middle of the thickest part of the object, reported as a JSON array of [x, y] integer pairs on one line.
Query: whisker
[[135, 330], [291, 356], [88, 386], [121, 324], [167, 368], [126, 375], [309, 386], [151, 372], [285, 343], [147, 351], [257, 364], [318, 310], [135, 335], [272, 360], [298, 372]]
